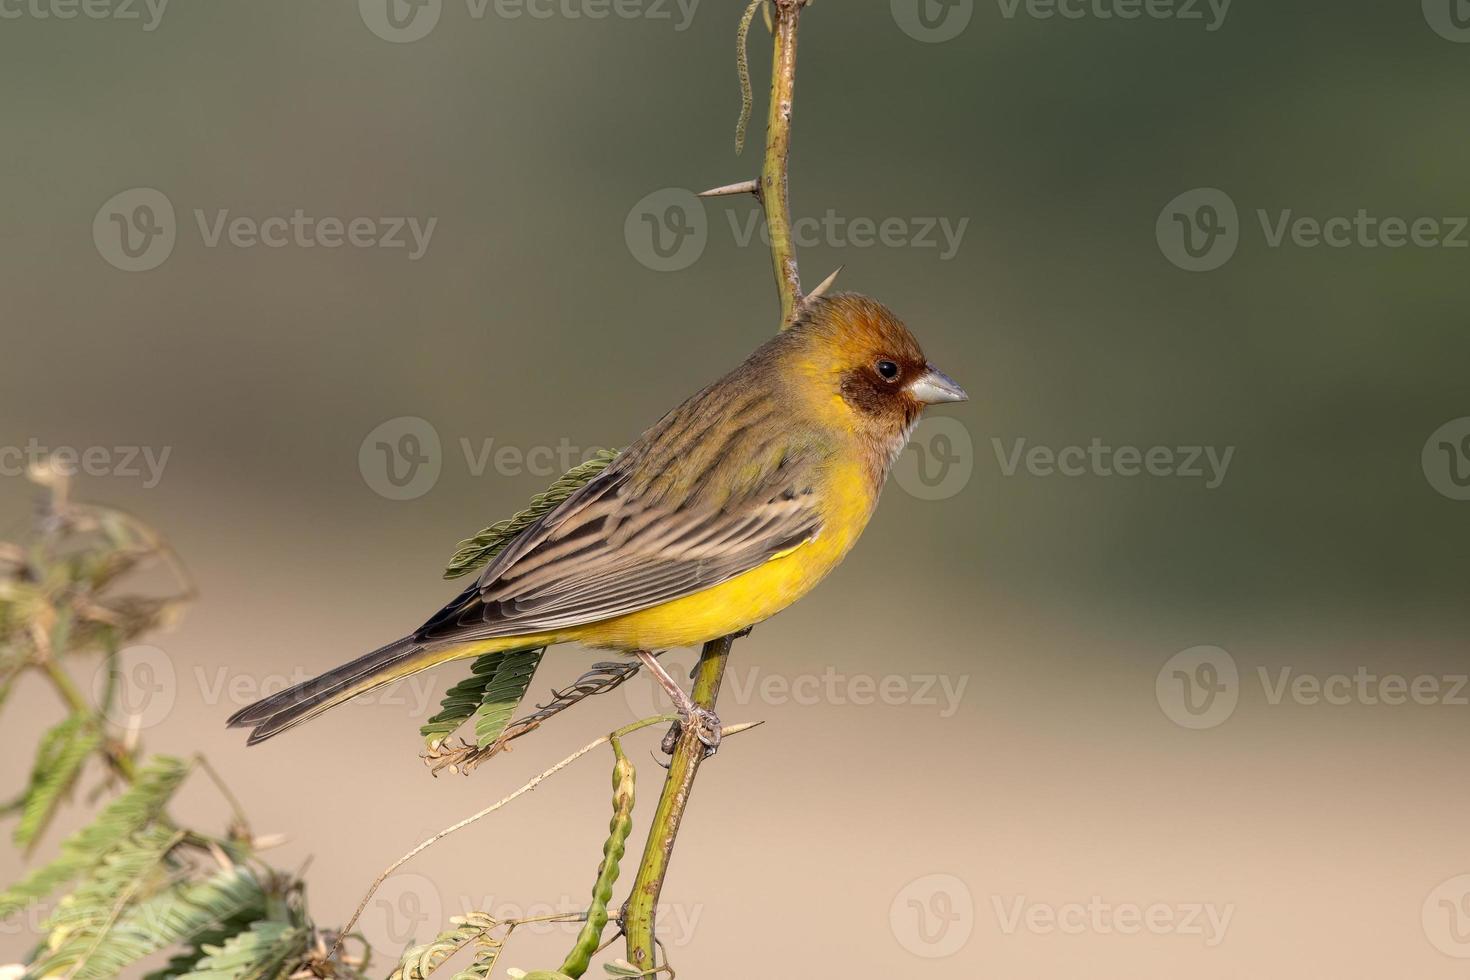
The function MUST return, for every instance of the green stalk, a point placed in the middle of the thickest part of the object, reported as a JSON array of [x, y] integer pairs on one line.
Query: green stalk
[[590, 936], [688, 754]]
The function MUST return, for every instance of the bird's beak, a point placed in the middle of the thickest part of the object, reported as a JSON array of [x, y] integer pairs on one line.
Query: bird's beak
[[934, 387]]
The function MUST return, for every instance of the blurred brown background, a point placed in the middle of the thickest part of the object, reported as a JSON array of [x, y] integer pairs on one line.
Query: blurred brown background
[[980, 759]]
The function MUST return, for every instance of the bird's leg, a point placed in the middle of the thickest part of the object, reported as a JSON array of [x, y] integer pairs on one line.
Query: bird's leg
[[706, 722]]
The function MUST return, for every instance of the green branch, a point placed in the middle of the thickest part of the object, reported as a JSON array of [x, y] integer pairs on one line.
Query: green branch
[[689, 751]]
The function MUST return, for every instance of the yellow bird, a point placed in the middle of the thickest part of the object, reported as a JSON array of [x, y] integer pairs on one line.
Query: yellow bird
[[729, 509]]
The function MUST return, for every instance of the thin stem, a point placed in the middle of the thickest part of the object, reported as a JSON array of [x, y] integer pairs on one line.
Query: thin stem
[[774, 197], [241, 822], [120, 761], [689, 752]]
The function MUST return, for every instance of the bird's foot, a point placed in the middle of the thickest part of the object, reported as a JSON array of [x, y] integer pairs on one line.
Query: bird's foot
[[706, 725]]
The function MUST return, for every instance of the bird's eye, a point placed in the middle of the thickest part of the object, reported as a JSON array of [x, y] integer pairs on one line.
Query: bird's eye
[[888, 370]]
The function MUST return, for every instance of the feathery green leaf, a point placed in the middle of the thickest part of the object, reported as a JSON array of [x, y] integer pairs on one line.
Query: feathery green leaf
[[495, 687], [126, 815], [479, 550], [504, 693], [59, 759], [262, 952], [96, 947], [471, 929]]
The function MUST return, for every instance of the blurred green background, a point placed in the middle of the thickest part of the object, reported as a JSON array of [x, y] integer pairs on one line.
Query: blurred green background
[[531, 320]]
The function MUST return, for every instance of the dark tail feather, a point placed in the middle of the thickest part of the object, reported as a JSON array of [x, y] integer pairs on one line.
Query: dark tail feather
[[273, 715]]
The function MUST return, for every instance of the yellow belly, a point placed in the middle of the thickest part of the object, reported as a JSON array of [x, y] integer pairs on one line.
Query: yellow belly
[[753, 596]]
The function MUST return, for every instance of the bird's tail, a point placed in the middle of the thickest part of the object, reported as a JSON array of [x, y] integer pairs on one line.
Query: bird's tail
[[273, 715]]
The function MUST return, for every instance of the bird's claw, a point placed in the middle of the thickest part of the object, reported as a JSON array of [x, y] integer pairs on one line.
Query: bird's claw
[[706, 726]]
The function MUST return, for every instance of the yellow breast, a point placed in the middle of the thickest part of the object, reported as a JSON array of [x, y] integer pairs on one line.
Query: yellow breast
[[846, 504]]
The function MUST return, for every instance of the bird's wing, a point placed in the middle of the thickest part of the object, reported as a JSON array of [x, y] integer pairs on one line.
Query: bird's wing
[[618, 545]]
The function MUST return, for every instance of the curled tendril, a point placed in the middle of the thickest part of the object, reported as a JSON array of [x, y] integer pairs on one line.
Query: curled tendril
[[742, 67]]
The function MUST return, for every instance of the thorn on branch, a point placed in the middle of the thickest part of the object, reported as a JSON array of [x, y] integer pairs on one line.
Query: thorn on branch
[[752, 186], [822, 287]]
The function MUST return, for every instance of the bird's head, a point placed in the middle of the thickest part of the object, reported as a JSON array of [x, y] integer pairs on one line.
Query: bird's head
[[868, 369]]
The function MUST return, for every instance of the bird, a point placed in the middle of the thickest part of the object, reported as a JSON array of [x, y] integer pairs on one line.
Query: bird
[[726, 511]]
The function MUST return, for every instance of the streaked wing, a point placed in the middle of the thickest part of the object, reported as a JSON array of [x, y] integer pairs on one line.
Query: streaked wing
[[622, 544]]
